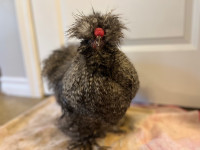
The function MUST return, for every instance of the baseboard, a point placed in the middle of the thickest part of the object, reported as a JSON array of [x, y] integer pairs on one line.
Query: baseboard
[[16, 86]]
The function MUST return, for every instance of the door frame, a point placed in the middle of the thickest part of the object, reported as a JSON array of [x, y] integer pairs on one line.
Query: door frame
[[29, 47]]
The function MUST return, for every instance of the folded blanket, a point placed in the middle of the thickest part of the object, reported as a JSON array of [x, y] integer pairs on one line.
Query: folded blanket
[[148, 128]]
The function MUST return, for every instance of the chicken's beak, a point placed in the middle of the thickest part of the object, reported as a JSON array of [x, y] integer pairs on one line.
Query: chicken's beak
[[98, 41]]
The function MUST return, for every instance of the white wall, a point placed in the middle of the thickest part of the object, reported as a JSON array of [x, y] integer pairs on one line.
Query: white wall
[[13, 75], [11, 60]]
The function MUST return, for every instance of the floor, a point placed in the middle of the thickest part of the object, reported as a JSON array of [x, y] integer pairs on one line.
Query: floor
[[11, 106], [149, 127]]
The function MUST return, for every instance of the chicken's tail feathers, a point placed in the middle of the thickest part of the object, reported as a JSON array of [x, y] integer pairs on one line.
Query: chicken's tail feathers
[[57, 64]]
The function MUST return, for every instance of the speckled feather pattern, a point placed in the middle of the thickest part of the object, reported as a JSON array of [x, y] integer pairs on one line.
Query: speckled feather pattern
[[94, 87]]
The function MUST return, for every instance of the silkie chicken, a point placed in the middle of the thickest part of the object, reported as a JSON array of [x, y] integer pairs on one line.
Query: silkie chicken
[[93, 83]]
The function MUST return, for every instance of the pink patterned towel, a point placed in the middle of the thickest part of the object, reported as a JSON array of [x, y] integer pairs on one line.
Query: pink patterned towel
[[153, 128], [172, 129]]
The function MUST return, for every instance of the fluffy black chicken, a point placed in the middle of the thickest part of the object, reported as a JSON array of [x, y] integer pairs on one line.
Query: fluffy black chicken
[[93, 83]]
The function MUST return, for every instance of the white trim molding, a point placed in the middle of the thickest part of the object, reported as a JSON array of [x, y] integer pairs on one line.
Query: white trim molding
[[17, 86], [29, 46]]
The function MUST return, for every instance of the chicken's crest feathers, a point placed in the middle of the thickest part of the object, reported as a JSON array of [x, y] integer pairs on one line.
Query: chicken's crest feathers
[[84, 26]]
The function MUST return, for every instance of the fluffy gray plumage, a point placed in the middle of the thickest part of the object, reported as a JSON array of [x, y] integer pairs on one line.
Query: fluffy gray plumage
[[93, 85]]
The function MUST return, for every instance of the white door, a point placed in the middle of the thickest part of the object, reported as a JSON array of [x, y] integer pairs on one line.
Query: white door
[[162, 42]]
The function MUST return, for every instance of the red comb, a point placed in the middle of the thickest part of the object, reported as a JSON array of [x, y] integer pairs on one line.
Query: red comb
[[99, 32]]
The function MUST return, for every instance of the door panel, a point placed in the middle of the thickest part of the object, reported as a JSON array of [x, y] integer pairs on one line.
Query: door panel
[[162, 42], [145, 19]]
